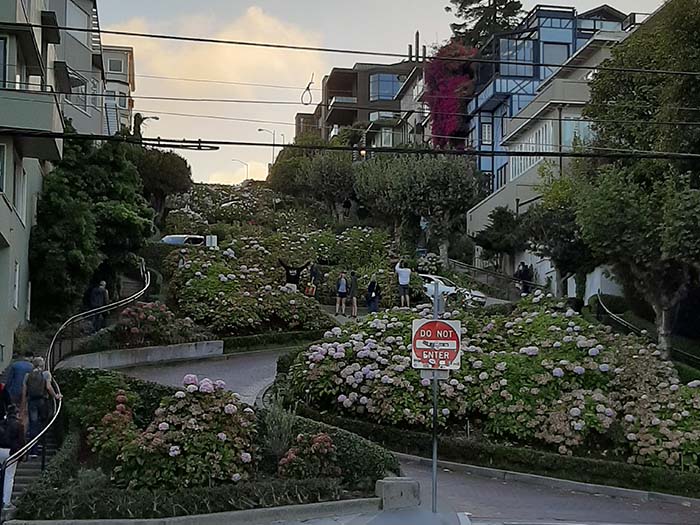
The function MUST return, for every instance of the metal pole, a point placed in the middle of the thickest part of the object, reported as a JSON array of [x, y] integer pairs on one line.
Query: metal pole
[[436, 315]]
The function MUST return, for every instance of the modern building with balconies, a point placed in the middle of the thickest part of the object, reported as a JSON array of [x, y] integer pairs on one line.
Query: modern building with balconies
[[28, 104], [120, 84], [413, 127]]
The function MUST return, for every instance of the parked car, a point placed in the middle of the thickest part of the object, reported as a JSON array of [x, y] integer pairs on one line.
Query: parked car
[[184, 240], [448, 288]]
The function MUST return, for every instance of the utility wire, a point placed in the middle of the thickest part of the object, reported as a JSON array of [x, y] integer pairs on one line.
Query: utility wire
[[212, 144], [267, 45]]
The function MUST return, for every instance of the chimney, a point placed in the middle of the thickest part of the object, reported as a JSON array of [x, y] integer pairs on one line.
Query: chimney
[[417, 46]]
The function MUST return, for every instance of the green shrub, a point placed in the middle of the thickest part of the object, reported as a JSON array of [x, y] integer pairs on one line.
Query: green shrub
[[155, 252], [244, 343], [62, 502], [96, 399], [687, 373], [279, 429], [312, 456]]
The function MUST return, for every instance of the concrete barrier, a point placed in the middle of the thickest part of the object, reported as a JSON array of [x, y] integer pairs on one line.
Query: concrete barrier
[[398, 493], [143, 356]]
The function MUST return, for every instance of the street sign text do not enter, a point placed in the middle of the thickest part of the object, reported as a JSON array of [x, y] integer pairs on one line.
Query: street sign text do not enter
[[436, 344]]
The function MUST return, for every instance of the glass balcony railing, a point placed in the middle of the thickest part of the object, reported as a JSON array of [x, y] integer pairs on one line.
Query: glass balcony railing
[[342, 100]]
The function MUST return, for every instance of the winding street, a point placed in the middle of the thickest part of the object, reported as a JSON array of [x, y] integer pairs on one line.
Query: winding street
[[490, 501]]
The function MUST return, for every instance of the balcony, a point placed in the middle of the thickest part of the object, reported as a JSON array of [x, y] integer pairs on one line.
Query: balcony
[[385, 118], [33, 111], [341, 111], [12, 12], [500, 89]]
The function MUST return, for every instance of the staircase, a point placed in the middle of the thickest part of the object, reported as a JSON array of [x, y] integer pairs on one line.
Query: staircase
[[30, 470]]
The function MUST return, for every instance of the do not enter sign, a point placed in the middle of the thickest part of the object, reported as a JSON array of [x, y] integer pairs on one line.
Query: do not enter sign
[[436, 344]]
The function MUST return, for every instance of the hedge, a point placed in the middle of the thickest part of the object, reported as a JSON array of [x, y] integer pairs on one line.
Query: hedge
[[531, 461], [107, 502], [155, 252], [243, 343]]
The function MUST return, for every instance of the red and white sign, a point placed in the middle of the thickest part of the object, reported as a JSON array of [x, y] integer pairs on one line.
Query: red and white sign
[[436, 344]]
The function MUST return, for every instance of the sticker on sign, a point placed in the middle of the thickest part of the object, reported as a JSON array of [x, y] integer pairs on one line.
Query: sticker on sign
[[436, 344]]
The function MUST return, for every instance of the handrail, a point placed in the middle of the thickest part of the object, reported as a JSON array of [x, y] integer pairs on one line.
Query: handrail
[[632, 328], [50, 365], [503, 276]]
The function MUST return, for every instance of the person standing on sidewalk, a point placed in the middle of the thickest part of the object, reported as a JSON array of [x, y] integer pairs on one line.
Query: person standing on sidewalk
[[99, 297], [352, 294], [11, 441], [373, 295], [341, 292], [404, 282]]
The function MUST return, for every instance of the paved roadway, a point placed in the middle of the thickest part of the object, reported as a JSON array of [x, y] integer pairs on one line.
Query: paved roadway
[[488, 500]]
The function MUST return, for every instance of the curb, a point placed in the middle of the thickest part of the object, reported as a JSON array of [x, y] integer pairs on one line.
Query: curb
[[222, 357], [556, 483], [241, 517]]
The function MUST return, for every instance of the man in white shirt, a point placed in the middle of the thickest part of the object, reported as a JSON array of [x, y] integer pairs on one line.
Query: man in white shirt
[[404, 282]]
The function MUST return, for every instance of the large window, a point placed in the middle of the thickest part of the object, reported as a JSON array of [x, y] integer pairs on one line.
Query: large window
[[123, 100], [575, 131], [554, 54], [539, 139], [384, 86], [19, 190], [516, 51], [76, 17], [486, 133], [3, 61]]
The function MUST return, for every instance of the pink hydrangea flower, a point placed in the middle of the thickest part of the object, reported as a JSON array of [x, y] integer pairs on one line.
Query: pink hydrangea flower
[[230, 409], [206, 387], [246, 457], [236, 477], [220, 384], [163, 427], [190, 379], [222, 436]]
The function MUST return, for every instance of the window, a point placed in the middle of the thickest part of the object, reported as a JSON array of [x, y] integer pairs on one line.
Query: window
[[3, 61], [575, 131], [555, 54], [115, 65], [387, 138], [486, 133], [19, 190], [539, 139], [78, 96], [2, 168], [123, 100], [512, 50], [15, 287], [76, 17], [111, 95], [501, 176], [384, 86], [95, 90]]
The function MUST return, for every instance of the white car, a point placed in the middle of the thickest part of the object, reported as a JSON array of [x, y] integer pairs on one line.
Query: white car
[[184, 240], [448, 288]]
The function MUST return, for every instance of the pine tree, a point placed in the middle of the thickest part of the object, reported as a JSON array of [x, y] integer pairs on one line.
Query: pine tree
[[481, 19]]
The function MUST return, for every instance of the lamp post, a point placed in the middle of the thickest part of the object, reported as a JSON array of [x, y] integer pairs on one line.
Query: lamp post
[[284, 140], [247, 168], [274, 136]]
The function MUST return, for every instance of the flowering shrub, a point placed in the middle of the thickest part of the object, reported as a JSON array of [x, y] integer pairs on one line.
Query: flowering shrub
[[201, 436], [145, 324], [541, 376], [115, 430], [313, 456], [431, 264]]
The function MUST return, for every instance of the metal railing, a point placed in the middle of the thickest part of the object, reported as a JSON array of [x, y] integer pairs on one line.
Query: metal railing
[[675, 353], [52, 360], [502, 286]]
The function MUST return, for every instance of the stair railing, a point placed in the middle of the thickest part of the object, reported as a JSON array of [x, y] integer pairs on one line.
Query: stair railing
[[52, 360], [495, 277]]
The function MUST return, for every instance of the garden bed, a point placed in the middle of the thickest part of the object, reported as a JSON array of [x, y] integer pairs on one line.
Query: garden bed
[[246, 343], [93, 477]]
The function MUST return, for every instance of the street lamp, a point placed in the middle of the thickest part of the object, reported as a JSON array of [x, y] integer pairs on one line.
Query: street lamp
[[247, 168], [284, 140], [274, 135]]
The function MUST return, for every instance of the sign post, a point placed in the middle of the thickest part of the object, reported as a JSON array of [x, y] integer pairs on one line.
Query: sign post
[[435, 350]]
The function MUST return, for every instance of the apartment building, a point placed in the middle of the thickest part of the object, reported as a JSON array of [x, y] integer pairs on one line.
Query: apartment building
[[120, 84], [364, 93], [27, 103], [413, 125]]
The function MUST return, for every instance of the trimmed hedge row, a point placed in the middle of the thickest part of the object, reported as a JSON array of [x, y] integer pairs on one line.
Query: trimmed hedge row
[[233, 345], [469, 451], [107, 502]]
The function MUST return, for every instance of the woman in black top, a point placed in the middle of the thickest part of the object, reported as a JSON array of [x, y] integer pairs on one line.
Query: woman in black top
[[374, 294]]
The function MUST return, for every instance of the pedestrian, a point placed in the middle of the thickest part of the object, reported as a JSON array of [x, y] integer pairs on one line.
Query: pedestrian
[[373, 294], [404, 282], [521, 275], [293, 274], [352, 294], [5, 401], [36, 391], [11, 441], [15, 378], [341, 293], [99, 297]]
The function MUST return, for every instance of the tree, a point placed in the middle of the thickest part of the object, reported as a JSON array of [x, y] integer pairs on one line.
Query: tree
[[482, 19], [376, 186], [503, 236], [163, 173], [289, 174], [331, 179], [91, 213], [552, 231], [640, 215]]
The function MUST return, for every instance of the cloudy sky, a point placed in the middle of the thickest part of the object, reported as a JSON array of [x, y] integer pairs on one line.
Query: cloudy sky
[[386, 25]]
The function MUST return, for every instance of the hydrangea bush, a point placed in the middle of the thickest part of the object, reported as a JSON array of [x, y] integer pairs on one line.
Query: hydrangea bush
[[312, 456], [541, 376], [201, 436], [144, 324]]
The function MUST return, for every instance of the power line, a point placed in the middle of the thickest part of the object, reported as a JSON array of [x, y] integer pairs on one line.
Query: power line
[[214, 144], [267, 45]]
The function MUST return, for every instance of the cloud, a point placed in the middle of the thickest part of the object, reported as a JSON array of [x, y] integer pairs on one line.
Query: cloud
[[227, 63], [237, 174]]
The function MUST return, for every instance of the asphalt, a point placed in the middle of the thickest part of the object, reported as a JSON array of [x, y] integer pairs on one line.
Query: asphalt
[[489, 501]]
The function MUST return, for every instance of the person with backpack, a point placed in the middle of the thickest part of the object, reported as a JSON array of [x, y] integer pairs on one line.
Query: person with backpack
[[11, 441], [15, 378], [36, 392]]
